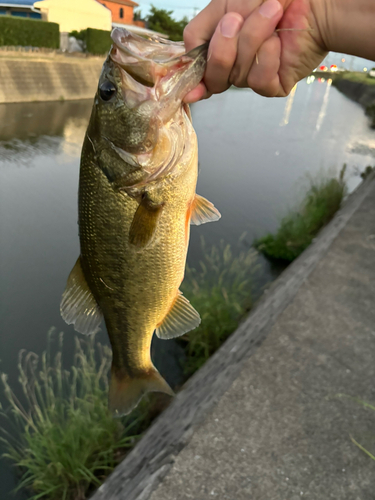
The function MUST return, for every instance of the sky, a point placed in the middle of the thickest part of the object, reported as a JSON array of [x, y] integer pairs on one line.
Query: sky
[[180, 8]]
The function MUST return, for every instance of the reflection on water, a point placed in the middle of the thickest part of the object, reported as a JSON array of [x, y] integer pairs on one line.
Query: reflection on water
[[28, 129], [323, 109], [288, 106], [249, 168]]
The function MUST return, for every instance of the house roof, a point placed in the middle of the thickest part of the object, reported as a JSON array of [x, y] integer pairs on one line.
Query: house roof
[[129, 3], [17, 3]]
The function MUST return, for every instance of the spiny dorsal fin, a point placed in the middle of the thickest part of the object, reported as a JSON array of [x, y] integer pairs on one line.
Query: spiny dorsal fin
[[145, 222], [203, 211], [78, 306], [181, 318]]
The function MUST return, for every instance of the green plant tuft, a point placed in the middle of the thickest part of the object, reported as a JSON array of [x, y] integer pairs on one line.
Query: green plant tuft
[[367, 172], [220, 288], [298, 229], [28, 33], [67, 439], [96, 42], [365, 405]]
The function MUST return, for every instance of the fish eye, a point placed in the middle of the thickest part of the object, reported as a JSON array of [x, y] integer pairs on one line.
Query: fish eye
[[107, 90]]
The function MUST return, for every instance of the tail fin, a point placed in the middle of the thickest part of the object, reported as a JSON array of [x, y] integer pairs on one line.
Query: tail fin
[[125, 392]]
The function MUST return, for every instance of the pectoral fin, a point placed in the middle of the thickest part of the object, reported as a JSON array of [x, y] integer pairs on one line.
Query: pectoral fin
[[181, 318], [145, 222], [78, 305], [203, 211]]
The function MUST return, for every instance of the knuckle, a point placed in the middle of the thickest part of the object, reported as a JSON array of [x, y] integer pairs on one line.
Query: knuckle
[[188, 35], [221, 59], [251, 38], [216, 87], [235, 78], [255, 82], [261, 87]]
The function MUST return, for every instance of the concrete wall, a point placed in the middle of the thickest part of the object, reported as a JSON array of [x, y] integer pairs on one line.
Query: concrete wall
[[48, 79]]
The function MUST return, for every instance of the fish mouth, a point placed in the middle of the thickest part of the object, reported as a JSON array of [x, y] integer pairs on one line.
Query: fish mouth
[[158, 62], [155, 75]]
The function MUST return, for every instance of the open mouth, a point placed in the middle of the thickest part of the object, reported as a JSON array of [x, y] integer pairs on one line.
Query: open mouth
[[145, 60], [150, 60]]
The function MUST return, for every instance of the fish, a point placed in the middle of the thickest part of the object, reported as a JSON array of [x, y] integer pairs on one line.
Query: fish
[[136, 201]]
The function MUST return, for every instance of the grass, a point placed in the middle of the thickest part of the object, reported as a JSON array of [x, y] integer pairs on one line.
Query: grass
[[367, 172], [299, 228], [356, 76], [67, 440], [220, 289], [365, 405]]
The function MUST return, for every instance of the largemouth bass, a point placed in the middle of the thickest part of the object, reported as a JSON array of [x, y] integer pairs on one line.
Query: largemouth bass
[[137, 200]]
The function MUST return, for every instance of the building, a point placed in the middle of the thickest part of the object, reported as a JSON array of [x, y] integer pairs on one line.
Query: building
[[123, 17], [122, 10], [75, 15], [19, 8]]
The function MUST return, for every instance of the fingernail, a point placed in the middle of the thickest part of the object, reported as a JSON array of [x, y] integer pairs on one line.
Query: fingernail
[[269, 9], [230, 26]]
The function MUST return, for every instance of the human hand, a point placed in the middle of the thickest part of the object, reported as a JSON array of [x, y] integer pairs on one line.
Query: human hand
[[245, 50]]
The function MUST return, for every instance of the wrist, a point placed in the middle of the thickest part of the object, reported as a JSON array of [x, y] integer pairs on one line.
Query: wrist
[[346, 26]]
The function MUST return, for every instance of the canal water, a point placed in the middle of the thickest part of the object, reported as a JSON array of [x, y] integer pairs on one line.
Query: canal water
[[255, 159]]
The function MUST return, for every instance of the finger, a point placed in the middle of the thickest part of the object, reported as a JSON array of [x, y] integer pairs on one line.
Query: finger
[[263, 77], [202, 27], [222, 53], [257, 28], [197, 94]]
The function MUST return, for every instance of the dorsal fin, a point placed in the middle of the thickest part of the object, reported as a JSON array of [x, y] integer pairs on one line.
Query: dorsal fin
[[181, 318], [203, 211], [145, 222], [78, 305]]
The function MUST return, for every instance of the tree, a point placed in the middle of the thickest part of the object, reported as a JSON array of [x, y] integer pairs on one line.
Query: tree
[[161, 20], [137, 15]]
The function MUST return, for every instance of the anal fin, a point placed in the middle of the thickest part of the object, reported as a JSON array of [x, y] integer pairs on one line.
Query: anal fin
[[78, 305], [203, 211], [181, 318]]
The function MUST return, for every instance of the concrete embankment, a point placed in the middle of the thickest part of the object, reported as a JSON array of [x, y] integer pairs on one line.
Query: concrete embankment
[[360, 92], [43, 78], [262, 420]]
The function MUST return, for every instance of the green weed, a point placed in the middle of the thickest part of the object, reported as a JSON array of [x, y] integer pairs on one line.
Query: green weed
[[367, 172], [67, 440], [299, 228], [355, 76], [365, 405], [220, 289]]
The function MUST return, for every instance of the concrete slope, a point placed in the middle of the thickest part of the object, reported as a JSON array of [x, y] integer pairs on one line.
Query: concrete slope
[[29, 79], [266, 423]]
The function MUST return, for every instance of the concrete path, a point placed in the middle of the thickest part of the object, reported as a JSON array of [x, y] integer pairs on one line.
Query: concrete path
[[266, 423]]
